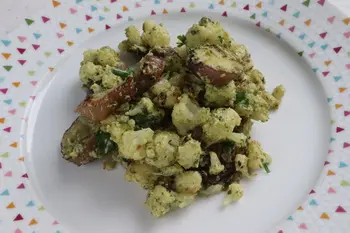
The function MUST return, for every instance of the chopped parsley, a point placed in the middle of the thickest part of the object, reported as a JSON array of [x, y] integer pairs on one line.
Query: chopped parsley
[[182, 40], [241, 99], [266, 167], [123, 73], [104, 144], [146, 121]]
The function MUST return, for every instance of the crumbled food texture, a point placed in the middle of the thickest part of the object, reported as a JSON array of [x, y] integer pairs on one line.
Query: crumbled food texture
[[165, 94], [171, 170], [212, 190], [189, 154], [189, 182], [133, 35], [256, 77], [155, 35], [241, 54], [256, 156], [187, 115], [241, 165], [182, 51], [160, 201], [215, 165], [220, 96], [162, 151], [89, 72], [110, 80], [117, 126], [145, 105], [184, 200], [278, 93], [142, 174], [133, 143], [234, 193], [107, 56]]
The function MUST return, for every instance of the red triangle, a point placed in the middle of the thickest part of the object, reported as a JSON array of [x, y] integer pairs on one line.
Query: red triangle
[[340, 210], [224, 14], [35, 46], [346, 113], [339, 129], [119, 16], [346, 145], [153, 12], [312, 191], [25, 175], [21, 50], [337, 49], [21, 186], [107, 27], [284, 8], [45, 19], [321, 2], [22, 62], [88, 17], [8, 129], [60, 50], [258, 24], [183, 10], [113, 1], [323, 35], [4, 90], [18, 217], [292, 29], [246, 7], [326, 163], [325, 73]]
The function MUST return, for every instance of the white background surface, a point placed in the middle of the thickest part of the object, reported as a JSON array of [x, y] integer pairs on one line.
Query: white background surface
[[12, 12]]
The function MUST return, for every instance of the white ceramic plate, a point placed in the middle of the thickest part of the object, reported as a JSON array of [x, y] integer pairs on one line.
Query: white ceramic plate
[[304, 45]]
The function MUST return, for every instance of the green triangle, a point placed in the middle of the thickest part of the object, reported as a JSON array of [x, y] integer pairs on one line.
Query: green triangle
[[344, 183], [306, 3], [48, 54], [4, 155], [268, 30], [8, 68], [301, 53], [22, 104], [29, 21], [253, 16], [31, 73], [106, 9], [348, 54], [41, 208], [234, 5], [332, 122]]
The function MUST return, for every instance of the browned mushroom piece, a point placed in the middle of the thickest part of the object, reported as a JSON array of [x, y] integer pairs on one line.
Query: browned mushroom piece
[[78, 141], [215, 64], [98, 109]]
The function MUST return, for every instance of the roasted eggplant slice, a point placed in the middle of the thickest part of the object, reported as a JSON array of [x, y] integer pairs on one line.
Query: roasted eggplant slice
[[78, 141]]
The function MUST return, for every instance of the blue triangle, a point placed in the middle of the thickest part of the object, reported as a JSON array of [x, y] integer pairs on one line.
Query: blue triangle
[[324, 47], [57, 232], [279, 35], [6, 42], [302, 36], [337, 78], [30, 204], [36, 35], [211, 6], [93, 8], [101, 18], [130, 18], [5, 193], [264, 14], [296, 14], [313, 202], [271, 2], [2, 79], [78, 1], [342, 164], [315, 70], [40, 63], [329, 100], [21, 136], [290, 218], [312, 44], [9, 101], [78, 30], [156, 1], [332, 139]]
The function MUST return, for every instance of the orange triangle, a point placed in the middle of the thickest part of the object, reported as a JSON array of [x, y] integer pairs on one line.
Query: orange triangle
[[14, 145], [6, 55], [165, 12], [300, 208], [11, 206], [125, 9], [33, 222], [282, 22], [259, 5], [63, 25], [70, 43], [51, 69], [327, 63], [16, 84], [2, 120], [55, 3], [324, 216], [91, 30], [346, 21], [21, 158], [308, 22], [337, 106], [330, 173], [222, 2], [342, 89]]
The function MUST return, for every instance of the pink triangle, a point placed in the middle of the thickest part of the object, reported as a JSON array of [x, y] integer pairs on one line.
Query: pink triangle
[[8, 174], [59, 35], [325, 73], [34, 82], [323, 35], [21, 50], [312, 55], [246, 7], [321, 2], [340, 210], [21, 186], [4, 90], [347, 35], [22, 38], [25, 175], [346, 113], [258, 24], [60, 50], [280, 231], [12, 112], [55, 222], [0, 165], [303, 226], [153, 12], [18, 231], [138, 5], [346, 145], [183, 10], [284, 8], [337, 49], [292, 29], [331, 190], [72, 10], [170, 0], [347, 66], [22, 62], [224, 14], [45, 19], [35, 46], [119, 16], [339, 129], [32, 97], [331, 19], [88, 17], [330, 151], [8, 129]]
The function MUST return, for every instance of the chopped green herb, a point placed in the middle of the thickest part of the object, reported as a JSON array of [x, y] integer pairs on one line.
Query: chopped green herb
[[221, 39], [241, 98], [123, 73], [227, 146], [146, 121], [266, 167], [104, 144], [182, 40]]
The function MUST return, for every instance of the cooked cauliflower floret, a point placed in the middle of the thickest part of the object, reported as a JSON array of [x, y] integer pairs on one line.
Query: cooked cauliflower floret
[[189, 154], [162, 151], [234, 193], [90, 55], [184, 200], [160, 201], [278, 93], [241, 165], [241, 54], [107, 56], [220, 96], [110, 80], [133, 35], [155, 35], [117, 126], [133, 143], [96, 88], [189, 182], [212, 190], [256, 156], [187, 115], [215, 165], [142, 174], [171, 170], [166, 95], [89, 72], [257, 78]]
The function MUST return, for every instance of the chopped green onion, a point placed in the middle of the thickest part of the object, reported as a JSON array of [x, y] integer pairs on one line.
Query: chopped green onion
[[123, 73], [182, 40], [266, 167]]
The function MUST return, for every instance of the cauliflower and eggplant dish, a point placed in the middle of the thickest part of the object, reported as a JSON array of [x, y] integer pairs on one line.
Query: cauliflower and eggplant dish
[[180, 120]]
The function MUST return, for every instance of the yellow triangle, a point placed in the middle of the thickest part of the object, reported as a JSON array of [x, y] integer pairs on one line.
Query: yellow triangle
[[282, 22], [324, 216], [165, 12], [14, 145], [342, 89], [33, 222], [91, 30], [222, 2], [337, 106], [330, 173], [327, 63], [55, 3], [51, 69], [11, 206], [346, 21], [6, 55], [21, 158], [259, 5], [308, 22], [63, 25], [125, 9], [300, 208], [2, 120], [16, 84], [70, 43]]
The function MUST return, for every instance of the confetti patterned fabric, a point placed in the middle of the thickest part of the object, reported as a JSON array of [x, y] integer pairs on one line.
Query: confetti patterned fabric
[[319, 33]]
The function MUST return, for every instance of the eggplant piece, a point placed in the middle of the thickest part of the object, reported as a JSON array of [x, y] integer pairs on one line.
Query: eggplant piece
[[215, 64], [98, 109], [78, 141]]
